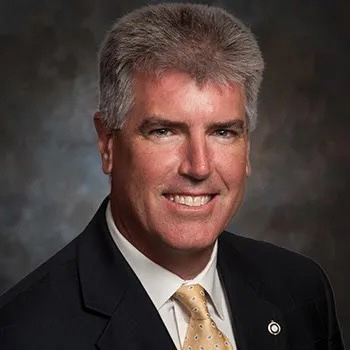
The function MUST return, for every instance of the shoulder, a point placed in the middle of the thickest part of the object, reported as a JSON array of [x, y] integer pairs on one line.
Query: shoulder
[[41, 290], [50, 279], [266, 253], [45, 309], [278, 268], [47, 306]]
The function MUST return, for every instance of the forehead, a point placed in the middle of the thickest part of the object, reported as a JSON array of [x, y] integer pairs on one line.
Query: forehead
[[177, 95]]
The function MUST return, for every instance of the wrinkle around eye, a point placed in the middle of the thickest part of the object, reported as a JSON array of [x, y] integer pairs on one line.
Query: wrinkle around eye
[[163, 135]]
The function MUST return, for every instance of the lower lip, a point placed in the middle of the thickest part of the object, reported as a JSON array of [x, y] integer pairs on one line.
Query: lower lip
[[186, 208]]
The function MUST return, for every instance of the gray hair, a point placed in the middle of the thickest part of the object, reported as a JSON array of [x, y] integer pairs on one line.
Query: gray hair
[[203, 41]]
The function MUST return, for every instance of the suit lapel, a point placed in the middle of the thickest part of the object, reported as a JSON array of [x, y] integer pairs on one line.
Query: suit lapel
[[111, 289], [252, 311], [135, 324]]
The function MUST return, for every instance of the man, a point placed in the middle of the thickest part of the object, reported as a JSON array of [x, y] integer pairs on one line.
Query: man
[[178, 94]]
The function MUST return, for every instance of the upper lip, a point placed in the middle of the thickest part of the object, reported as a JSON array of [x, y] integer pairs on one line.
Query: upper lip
[[190, 193]]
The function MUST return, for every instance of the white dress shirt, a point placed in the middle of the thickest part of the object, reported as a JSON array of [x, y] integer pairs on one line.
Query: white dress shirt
[[173, 315]]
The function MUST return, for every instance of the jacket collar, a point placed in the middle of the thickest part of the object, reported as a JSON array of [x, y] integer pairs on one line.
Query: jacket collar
[[103, 273], [110, 288]]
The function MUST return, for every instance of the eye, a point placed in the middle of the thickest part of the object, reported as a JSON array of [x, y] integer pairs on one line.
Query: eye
[[226, 133], [161, 132]]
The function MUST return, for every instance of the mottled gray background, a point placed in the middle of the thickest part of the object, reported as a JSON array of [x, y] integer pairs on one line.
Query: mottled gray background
[[50, 178]]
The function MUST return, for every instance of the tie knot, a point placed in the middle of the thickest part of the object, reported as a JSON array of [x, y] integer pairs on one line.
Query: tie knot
[[193, 297]]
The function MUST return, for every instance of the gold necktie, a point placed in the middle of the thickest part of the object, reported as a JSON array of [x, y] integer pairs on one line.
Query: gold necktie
[[202, 333]]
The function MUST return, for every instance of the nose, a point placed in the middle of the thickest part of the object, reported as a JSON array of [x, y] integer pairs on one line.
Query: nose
[[195, 159]]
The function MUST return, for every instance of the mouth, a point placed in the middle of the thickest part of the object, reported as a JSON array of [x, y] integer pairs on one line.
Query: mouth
[[189, 200]]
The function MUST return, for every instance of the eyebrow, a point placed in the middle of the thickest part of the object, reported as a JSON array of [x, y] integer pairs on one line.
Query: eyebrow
[[234, 123], [155, 121]]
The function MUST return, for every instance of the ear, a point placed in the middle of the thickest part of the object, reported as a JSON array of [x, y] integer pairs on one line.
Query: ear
[[248, 169], [105, 143]]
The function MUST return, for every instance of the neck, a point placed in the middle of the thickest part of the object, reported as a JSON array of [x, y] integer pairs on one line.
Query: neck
[[185, 264]]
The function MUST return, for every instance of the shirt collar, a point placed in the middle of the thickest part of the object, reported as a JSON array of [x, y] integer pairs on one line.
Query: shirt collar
[[147, 272], [208, 278]]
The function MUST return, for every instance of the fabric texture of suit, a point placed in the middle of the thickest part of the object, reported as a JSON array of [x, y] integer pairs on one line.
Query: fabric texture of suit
[[87, 297]]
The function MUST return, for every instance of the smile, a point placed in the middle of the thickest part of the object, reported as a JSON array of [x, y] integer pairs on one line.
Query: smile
[[190, 201]]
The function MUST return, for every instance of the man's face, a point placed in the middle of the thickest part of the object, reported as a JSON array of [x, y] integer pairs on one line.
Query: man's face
[[179, 164]]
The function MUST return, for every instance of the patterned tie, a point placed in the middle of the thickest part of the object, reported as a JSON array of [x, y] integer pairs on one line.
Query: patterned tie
[[202, 333]]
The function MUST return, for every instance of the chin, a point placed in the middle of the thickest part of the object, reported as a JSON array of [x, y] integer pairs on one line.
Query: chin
[[193, 241]]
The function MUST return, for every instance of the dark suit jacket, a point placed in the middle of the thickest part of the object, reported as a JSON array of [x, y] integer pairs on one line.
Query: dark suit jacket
[[87, 297]]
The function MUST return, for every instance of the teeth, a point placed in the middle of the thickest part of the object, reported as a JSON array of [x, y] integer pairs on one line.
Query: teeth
[[197, 201], [190, 201]]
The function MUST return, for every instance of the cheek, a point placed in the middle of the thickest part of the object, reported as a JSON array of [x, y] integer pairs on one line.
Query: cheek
[[152, 165], [232, 165]]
